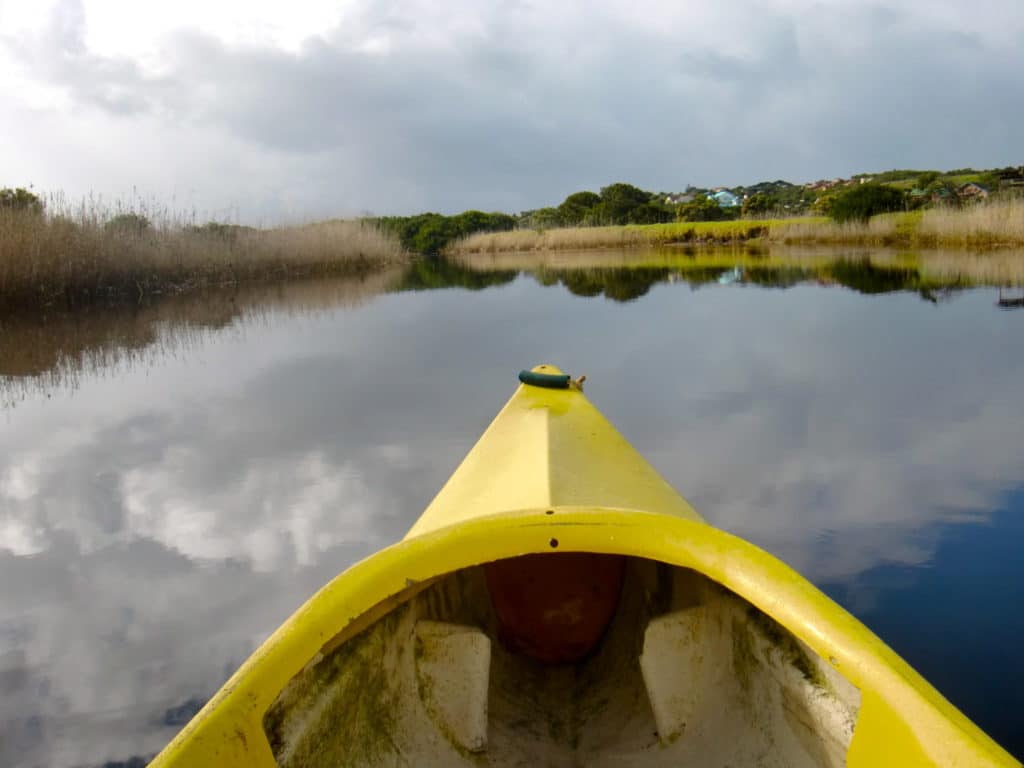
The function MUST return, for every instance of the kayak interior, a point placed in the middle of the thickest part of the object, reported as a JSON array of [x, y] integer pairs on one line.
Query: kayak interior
[[566, 659]]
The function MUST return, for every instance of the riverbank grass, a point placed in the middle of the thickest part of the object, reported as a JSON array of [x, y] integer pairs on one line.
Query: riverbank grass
[[999, 224], [624, 236], [88, 255]]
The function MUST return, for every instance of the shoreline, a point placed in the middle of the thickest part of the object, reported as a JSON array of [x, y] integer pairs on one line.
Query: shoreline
[[993, 226], [58, 262]]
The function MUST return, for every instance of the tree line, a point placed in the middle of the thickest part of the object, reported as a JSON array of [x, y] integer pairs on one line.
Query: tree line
[[620, 203], [429, 233]]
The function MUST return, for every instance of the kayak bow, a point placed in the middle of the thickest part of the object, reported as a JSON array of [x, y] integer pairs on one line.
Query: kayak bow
[[558, 603]]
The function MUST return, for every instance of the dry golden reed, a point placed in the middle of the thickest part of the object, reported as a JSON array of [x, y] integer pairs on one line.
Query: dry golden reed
[[987, 225], [879, 231], [628, 236], [995, 224], [78, 256]]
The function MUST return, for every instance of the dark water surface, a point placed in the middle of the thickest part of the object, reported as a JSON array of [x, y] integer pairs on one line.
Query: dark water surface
[[176, 480]]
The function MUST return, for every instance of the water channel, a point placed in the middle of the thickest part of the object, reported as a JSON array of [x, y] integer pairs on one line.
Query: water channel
[[176, 478]]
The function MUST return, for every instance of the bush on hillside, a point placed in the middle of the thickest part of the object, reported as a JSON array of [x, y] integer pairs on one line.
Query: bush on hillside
[[863, 201], [701, 209], [575, 207], [758, 204]]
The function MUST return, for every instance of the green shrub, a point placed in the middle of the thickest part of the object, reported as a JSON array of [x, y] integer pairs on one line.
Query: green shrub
[[20, 199], [576, 206], [863, 201], [701, 209], [758, 204], [429, 233], [649, 213], [619, 200]]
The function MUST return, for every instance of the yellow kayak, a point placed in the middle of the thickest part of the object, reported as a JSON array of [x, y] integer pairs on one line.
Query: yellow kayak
[[559, 604]]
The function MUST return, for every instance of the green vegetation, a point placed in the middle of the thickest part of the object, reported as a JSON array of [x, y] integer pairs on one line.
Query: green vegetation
[[702, 209], [617, 204], [622, 204], [778, 197], [430, 233], [20, 200], [758, 204], [920, 179], [985, 225], [863, 201], [626, 204], [577, 208], [84, 255], [630, 236]]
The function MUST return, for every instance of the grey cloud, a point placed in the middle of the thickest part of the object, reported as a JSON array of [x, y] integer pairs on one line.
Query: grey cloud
[[104, 644], [516, 114], [60, 56]]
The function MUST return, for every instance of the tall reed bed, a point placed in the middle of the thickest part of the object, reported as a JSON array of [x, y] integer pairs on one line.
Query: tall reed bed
[[78, 255], [981, 226], [897, 229], [628, 236]]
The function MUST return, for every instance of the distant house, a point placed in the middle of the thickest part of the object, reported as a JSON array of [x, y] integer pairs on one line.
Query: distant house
[[973, 191], [1011, 177], [725, 199], [823, 184]]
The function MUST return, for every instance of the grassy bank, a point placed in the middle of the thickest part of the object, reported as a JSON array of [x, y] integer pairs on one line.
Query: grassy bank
[[86, 256], [986, 226], [626, 236]]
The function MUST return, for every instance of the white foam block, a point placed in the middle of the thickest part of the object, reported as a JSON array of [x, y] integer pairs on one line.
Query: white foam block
[[452, 667]]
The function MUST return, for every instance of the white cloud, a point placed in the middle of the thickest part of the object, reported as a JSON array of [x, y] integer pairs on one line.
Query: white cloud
[[317, 109], [137, 30], [279, 512]]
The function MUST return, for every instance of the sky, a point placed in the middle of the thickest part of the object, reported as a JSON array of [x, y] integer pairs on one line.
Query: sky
[[263, 112]]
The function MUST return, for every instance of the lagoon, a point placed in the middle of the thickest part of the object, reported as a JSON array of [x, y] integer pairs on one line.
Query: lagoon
[[177, 477]]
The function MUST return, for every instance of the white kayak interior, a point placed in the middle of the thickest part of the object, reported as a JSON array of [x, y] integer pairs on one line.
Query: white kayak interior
[[687, 673]]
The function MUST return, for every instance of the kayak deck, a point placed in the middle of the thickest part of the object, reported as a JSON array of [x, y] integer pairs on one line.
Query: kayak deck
[[691, 647], [687, 673]]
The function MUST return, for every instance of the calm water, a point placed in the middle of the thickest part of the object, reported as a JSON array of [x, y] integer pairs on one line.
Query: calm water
[[176, 480]]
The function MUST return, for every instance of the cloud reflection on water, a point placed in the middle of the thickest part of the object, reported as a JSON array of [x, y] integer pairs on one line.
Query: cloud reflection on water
[[159, 524]]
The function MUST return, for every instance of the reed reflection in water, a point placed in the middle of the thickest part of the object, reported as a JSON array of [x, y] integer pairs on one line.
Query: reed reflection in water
[[52, 350]]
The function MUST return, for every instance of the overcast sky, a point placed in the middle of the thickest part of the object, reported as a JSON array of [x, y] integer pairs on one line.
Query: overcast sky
[[262, 110]]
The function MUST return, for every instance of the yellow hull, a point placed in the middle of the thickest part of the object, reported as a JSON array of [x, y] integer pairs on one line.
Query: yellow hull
[[718, 650]]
